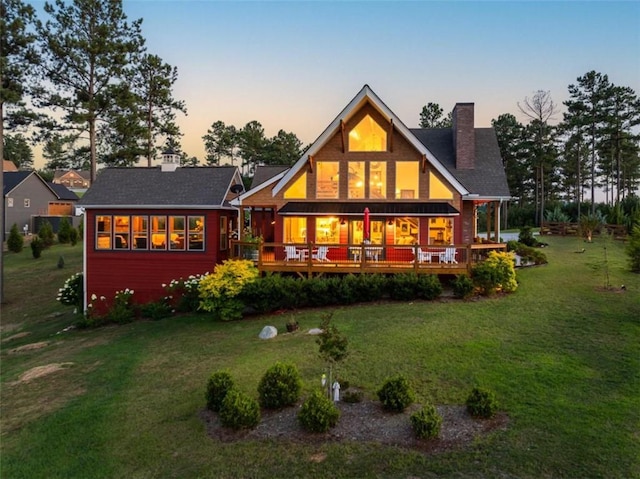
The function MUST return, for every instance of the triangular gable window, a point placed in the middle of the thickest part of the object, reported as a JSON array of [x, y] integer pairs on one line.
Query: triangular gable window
[[298, 189], [367, 135], [437, 189]]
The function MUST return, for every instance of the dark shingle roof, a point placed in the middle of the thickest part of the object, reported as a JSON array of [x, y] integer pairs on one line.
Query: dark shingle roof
[[487, 178], [196, 186], [265, 173], [62, 192], [11, 179]]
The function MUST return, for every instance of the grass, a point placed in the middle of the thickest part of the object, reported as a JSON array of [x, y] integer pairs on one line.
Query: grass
[[562, 355]]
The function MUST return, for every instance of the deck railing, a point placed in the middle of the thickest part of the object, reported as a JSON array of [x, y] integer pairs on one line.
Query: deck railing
[[317, 258]]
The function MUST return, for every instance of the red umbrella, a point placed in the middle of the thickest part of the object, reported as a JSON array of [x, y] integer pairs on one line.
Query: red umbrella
[[367, 224]]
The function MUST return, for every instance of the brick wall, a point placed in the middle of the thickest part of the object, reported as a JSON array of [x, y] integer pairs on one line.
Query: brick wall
[[464, 137]]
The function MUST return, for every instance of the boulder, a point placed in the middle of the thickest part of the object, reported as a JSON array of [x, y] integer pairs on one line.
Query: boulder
[[268, 332], [315, 331]]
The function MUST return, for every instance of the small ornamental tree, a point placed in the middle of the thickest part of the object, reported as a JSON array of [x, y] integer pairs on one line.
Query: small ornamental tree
[[15, 242], [45, 233], [37, 245], [64, 231], [333, 347], [219, 291]]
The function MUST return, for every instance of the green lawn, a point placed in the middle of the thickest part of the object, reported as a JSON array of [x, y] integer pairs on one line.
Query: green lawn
[[562, 355]]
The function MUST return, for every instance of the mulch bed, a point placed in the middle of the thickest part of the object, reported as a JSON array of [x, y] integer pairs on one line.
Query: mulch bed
[[365, 422]]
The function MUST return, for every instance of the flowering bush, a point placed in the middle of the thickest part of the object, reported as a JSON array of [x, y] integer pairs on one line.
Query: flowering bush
[[122, 309], [496, 272], [219, 291], [72, 292], [184, 294]]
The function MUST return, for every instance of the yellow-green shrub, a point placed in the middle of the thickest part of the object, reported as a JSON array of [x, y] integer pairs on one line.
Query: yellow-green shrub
[[496, 272], [218, 290]]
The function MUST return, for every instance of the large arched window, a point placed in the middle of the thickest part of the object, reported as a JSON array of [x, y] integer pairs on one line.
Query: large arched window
[[367, 135]]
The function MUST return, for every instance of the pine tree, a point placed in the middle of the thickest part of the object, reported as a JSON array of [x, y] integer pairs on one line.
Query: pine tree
[[15, 242]]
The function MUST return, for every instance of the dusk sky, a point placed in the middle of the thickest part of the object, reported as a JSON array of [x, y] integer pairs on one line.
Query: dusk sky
[[295, 65]]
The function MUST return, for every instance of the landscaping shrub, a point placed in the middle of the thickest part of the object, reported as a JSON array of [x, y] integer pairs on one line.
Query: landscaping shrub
[[156, 310], [317, 292], [318, 413], [218, 385], [462, 286], [530, 254], [396, 394], [482, 403], [403, 287], [633, 250], [184, 294], [219, 291], [45, 233], [37, 245], [72, 292], [526, 236], [73, 236], [239, 411], [64, 231], [15, 241], [426, 422], [496, 272], [273, 292], [60, 261], [280, 386], [121, 311], [428, 287]]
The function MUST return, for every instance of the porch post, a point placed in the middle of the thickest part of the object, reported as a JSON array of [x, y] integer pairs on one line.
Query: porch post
[[496, 219], [488, 221]]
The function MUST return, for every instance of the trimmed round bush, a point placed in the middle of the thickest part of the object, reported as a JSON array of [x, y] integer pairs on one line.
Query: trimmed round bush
[[426, 422], [396, 394], [482, 403], [462, 286], [318, 413], [280, 386], [239, 411], [219, 384]]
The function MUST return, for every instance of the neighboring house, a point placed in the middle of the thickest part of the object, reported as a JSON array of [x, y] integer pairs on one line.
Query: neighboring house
[[8, 165], [147, 226], [73, 179], [26, 196], [420, 186]]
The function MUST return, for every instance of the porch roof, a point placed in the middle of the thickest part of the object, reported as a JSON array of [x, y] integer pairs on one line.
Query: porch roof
[[375, 209]]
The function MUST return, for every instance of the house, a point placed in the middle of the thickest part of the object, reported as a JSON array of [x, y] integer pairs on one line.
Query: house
[[73, 179], [8, 165], [27, 197], [147, 226], [369, 178]]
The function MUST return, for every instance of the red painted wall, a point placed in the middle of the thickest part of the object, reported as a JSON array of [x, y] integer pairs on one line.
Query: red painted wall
[[144, 272]]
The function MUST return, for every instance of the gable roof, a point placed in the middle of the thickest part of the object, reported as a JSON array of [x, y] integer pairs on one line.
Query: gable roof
[[84, 174], [366, 95], [487, 179], [62, 192], [11, 179], [266, 172], [204, 186], [8, 165]]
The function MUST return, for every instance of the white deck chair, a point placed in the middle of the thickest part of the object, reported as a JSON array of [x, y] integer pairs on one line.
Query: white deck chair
[[292, 253], [424, 256], [321, 254], [448, 256]]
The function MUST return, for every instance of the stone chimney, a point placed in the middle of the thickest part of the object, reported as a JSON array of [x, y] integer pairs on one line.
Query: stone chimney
[[464, 136]]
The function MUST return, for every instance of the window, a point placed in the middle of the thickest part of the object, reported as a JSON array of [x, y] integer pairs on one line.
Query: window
[[295, 229], [327, 230], [103, 232], [437, 189], [356, 179], [224, 241], [406, 232], [176, 233], [298, 190], [10, 202], [196, 233], [407, 179], [158, 232], [327, 179], [378, 179], [121, 235], [27, 203], [367, 135], [140, 228], [441, 231]]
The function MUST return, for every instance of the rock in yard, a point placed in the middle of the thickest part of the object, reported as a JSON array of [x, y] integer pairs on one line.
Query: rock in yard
[[315, 331], [268, 332]]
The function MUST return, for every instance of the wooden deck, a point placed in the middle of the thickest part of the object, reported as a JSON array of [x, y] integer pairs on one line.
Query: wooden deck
[[384, 259]]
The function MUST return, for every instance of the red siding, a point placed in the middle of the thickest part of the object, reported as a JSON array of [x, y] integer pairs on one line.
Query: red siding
[[146, 271]]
